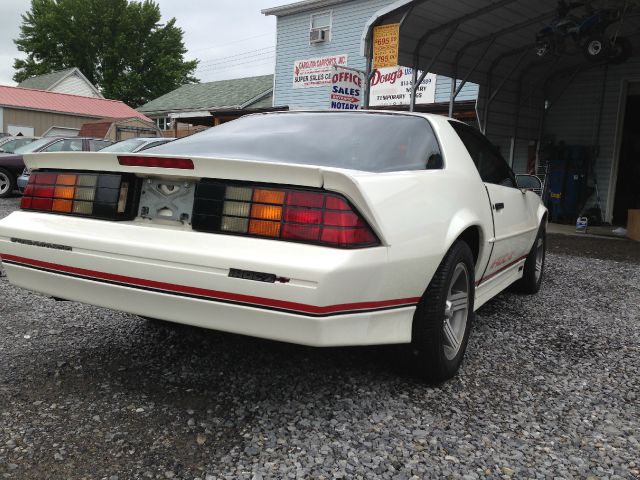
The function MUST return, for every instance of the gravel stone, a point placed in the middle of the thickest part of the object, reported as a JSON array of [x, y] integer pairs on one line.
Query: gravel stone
[[549, 389]]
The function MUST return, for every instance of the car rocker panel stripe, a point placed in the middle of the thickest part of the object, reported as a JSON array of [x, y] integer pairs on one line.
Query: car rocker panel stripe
[[206, 294], [509, 265]]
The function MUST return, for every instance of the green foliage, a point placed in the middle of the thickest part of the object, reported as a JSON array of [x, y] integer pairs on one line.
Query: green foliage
[[119, 45]]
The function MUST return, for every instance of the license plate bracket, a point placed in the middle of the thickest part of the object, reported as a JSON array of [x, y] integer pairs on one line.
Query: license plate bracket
[[167, 200]]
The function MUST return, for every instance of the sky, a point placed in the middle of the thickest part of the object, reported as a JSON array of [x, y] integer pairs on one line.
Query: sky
[[231, 38]]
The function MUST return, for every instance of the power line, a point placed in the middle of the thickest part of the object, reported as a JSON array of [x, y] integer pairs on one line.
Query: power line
[[234, 65], [248, 53], [239, 57]]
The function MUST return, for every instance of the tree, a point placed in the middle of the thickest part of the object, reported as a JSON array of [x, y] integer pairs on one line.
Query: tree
[[119, 45]]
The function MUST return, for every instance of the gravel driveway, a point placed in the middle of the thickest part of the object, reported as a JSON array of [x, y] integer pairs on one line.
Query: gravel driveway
[[549, 389]]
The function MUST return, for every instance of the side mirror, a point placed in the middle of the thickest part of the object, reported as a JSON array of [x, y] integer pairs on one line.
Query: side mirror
[[529, 182]]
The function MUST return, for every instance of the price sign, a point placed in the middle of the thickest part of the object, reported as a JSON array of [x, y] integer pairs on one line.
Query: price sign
[[386, 39]]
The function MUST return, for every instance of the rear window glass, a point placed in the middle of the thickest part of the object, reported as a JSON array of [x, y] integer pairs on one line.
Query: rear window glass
[[360, 141]]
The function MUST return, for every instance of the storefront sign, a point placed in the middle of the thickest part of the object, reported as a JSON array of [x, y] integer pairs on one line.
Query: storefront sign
[[315, 72], [392, 86], [386, 39], [346, 89]]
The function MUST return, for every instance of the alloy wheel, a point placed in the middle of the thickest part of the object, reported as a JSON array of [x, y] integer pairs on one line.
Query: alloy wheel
[[5, 183], [456, 311]]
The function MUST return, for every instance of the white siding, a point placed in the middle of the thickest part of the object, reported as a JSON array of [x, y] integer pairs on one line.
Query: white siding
[[348, 22], [75, 85]]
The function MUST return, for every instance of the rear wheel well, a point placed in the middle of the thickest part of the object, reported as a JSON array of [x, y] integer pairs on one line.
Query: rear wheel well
[[471, 236]]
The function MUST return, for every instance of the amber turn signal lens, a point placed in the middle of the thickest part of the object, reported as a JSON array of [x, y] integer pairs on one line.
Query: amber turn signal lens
[[64, 192], [66, 179], [63, 206], [268, 196], [267, 229], [266, 212]]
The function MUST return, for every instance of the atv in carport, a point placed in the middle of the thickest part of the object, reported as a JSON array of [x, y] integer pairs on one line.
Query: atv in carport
[[588, 33]]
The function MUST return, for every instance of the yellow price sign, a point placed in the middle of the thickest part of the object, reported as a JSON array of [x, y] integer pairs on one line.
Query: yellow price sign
[[386, 40]]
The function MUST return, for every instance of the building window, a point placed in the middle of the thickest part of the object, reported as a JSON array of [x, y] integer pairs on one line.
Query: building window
[[320, 27], [163, 123]]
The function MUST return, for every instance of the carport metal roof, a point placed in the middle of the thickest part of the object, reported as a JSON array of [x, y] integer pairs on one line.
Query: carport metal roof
[[489, 42]]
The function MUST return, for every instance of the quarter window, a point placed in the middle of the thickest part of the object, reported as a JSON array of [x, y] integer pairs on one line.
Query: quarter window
[[490, 164]]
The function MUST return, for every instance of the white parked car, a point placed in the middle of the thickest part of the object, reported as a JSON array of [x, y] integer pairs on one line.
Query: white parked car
[[316, 228]]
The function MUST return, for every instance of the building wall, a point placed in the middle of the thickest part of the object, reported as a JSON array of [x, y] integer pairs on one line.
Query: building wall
[[41, 121], [574, 118], [75, 85], [348, 22]]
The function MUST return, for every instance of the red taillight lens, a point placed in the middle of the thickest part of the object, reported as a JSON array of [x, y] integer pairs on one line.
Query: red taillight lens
[[280, 213], [87, 194]]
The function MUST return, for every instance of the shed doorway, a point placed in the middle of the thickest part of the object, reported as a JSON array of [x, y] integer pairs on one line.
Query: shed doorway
[[628, 182]]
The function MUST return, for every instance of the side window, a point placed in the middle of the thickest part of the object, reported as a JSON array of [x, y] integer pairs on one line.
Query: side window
[[54, 147], [151, 145], [67, 145], [490, 164], [96, 145]]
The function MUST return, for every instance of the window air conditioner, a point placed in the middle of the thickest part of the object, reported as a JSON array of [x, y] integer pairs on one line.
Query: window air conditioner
[[317, 35]]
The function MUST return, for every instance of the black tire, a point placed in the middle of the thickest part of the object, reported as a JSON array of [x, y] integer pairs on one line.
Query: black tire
[[430, 355], [597, 48], [621, 50], [530, 282], [7, 183]]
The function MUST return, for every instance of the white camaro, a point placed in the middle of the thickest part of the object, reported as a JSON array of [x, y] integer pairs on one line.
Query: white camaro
[[315, 228]]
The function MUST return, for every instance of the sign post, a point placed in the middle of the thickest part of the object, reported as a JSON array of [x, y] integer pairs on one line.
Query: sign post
[[346, 88]]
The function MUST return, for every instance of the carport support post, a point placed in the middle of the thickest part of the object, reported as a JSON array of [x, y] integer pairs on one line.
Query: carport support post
[[417, 82], [494, 94], [369, 71], [452, 99], [456, 89], [414, 79]]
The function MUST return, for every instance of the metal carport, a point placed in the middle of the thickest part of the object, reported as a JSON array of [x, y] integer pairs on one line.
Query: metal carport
[[492, 43]]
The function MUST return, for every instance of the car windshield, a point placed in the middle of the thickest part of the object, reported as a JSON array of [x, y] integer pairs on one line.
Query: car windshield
[[11, 145], [124, 146], [374, 142], [34, 146]]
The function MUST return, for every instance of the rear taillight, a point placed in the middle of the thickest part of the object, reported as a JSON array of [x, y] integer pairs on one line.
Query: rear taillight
[[94, 195], [280, 213]]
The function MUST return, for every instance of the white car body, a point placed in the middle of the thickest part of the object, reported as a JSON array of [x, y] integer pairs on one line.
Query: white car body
[[334, 297]]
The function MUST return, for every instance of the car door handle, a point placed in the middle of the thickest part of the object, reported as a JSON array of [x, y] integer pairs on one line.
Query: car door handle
[[498, 206]]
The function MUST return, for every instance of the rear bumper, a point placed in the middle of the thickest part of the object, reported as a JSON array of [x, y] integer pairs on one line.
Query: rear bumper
[[333, 297]]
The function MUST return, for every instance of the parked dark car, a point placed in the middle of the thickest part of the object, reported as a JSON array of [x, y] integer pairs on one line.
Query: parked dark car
[[12, 165]]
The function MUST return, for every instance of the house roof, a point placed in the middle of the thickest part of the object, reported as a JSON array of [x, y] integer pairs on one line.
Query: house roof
[[28, 99], [100, 128], [49, 80], [302, 6], [46, 81], [226, 94]]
